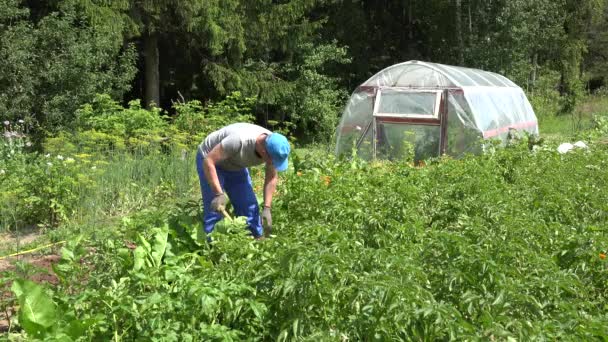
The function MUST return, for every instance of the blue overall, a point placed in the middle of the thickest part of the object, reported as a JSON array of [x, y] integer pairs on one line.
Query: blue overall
[[238, 187]]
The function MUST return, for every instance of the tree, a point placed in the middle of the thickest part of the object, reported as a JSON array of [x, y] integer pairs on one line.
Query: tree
[[579, 17], [596, 59], [53, 65], [459, 33]]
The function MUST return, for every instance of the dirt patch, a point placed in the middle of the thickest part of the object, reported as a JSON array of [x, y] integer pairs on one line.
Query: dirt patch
[[42, 272], [5, 265], [23, 237]]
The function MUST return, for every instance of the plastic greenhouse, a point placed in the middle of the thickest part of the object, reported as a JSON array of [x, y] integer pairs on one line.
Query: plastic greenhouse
[[431, 109]]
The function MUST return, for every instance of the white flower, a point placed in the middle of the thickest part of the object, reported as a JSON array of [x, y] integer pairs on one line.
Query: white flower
[[28, 144], [6, 123], [49, 164], [47, 155], [2, 172], [21, 121], [60, 157], [69, 160], [93, 167]]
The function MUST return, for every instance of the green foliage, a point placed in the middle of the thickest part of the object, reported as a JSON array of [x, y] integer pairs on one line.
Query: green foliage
[[107, 116], [298, 58], [50, 67], [476, 248], [315, 100], [304, 99], [37, 315], [104, 125], [508, 245], [198, 121], [37, 189], [545, 98], [150, 254], [600, 126]]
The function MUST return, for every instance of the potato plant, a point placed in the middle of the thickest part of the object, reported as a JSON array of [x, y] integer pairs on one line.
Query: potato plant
[[510, 245]]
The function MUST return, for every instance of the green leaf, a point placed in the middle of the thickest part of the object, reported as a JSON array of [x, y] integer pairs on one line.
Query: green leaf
[[139, 258], [258, 309], [159, 244], [144, 243], [67, 254], [36, 308], [295, 327], [77, 328]]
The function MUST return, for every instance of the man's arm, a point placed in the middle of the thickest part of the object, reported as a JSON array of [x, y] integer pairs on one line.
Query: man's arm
[[213, 157], [270, 184]]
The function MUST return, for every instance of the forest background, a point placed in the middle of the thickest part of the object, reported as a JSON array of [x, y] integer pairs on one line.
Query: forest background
[[293, 62]]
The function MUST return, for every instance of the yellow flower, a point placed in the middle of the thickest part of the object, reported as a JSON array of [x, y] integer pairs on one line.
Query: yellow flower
[[326, 180]]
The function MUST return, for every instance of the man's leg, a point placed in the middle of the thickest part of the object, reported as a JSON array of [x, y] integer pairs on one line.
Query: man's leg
[[210, 217], [240, 191]]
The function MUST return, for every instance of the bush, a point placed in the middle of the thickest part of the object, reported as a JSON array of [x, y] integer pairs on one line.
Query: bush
[[106, 115], [546, 99], [105, 126], [51, 66], [197, 121], [37, 189], [314, 102]]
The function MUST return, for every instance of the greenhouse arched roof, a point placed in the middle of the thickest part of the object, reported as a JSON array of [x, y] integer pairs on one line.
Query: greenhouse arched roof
[[429, 75]]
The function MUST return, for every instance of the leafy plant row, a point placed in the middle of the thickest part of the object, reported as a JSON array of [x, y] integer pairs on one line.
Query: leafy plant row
[[508, 245]]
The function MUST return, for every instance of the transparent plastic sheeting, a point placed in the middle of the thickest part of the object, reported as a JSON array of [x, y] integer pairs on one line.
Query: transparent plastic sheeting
[[496, 110], [394, 141], [423, 74], [400, 102], [355, 122], [480, 105], [410, 75]]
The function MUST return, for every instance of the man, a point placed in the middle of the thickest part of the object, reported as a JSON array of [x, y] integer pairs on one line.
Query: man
[[222, 161]]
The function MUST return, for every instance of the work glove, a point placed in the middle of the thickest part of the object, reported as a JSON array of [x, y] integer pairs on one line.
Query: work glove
[[219, 202], [267, 221]]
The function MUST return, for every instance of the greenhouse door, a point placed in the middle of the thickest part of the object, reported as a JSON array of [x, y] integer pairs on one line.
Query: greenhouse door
[[408, 121]]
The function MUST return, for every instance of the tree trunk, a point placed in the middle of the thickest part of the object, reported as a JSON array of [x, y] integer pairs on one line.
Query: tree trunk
[[151, 70], [534, 70], [459, 32], [470, 25], [412, 50]]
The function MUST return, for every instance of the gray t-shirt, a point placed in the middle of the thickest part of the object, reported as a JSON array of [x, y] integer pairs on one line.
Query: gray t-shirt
[[238, 142]]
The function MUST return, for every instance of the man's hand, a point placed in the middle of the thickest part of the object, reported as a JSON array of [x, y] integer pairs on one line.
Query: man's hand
[[267, 221], [219, 202]]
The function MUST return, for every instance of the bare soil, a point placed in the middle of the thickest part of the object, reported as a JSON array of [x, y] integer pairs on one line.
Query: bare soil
[[25, 236], [43, 266]]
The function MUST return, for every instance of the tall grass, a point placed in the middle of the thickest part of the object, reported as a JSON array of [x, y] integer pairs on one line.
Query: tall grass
[[132, 181], [555, 126]]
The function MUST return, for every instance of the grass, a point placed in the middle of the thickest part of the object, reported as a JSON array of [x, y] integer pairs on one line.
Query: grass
[[563, 127], [131, 182]]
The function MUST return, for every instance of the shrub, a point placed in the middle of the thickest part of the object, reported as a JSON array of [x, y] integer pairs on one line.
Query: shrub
[[37, 189], [197, 121]]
